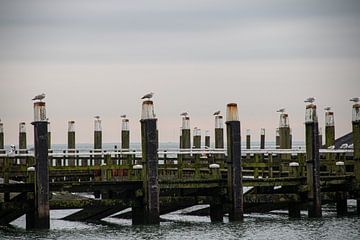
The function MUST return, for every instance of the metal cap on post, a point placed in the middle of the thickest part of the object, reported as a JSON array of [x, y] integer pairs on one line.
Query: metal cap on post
[[235, 187], [41, 217]]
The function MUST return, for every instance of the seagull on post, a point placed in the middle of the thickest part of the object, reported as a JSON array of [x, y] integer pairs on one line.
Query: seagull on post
[[97, 117], [123, 116], [327, 109], [216, 113], [309, 100], [148, 96], [355, 99], [184, 114], [39, 97], [281, 110]]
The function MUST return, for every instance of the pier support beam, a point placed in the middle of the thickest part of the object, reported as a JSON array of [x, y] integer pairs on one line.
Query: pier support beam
[[22, 141], [207, 139], [2, 150], [329, 129], [185, 135], [284, 133], [149, 142], [41, 214], [294, 207], [219, 136], [125, 139], [277, 139], [235, 186], [313, 161]]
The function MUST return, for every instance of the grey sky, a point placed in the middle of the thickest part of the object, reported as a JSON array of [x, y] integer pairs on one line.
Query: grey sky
[[100, 57]]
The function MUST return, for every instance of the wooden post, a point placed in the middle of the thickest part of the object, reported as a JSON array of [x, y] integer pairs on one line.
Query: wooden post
[[185, 133], [341, 199], [207, 139], [197, 145], [97, 139], [41, 216], [149, 142], [180, 139], [219, 136], [313, 161], [262, 138], [284, 131], [356, 144], [235, 187], [329, 129], [22, 141], [49, 135], [294, 207], [320, 137], [72, 144], [2, 150], [216, 204], [125, 139], [277, 139], [248, 142], [30, 198]]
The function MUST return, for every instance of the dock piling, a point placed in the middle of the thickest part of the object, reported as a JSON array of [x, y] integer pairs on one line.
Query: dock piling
[[262, 138], [235, 186], [219, 135], [356, 145], [313, 161], [22, 141], [71, 143], [97, 139], [2, 150]]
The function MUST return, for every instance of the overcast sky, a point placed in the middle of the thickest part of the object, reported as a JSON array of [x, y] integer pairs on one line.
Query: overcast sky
[[99, 57]]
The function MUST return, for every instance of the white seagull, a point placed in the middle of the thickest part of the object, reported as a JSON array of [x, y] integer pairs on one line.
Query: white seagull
[[355, 99], [39, 97], [327, 109], [184, 114], [148, 96], [216, 113], [309, 100], [281, 110]]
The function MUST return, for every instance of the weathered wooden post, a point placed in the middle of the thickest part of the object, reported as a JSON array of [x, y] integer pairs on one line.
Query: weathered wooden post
[[185, 133], [207, 139], [329, 129], [180, 139], [49, 135], [262, 138], [320, 137], [216, 204], [294, 207], [22, 141], [148, 213], [41, 216], [71, 144], [125, 139], [313, 161], [284, 131], [277, 139], [248, 142], [235, 187], [356, 144], [2, 150], [219, 136], [341, 199], [197, 145], [97, 139]]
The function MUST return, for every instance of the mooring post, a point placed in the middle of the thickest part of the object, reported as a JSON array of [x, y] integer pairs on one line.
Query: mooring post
[[41, 216], [313, 161], [248, 142], [284, 133], [30, 198], [329, 129], [341, 198], [216, 204], [186, 135], [320, 137], [235, 187], [356, 145], [2, 150], [294, 207], [71, 144], [97, 139], [207, 139], [262, 138], [125, 139], [277, 139], [219, 136], [49, 135], [149, 143], [22, 141], [197, 145]]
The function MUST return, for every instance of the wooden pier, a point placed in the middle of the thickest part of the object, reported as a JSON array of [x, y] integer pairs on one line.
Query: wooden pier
[[154, 182]]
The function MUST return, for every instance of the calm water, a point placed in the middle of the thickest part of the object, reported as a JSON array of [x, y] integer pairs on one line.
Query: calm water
[[275, 225]]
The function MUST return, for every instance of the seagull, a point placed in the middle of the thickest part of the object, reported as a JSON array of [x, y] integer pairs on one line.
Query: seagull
[[327, 108], [216, 113], [331, 147], [39, 97], [281, 110], [123, 116], [97, 117], [355, 99], [184, 114], [309, 100], [148, 96]]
